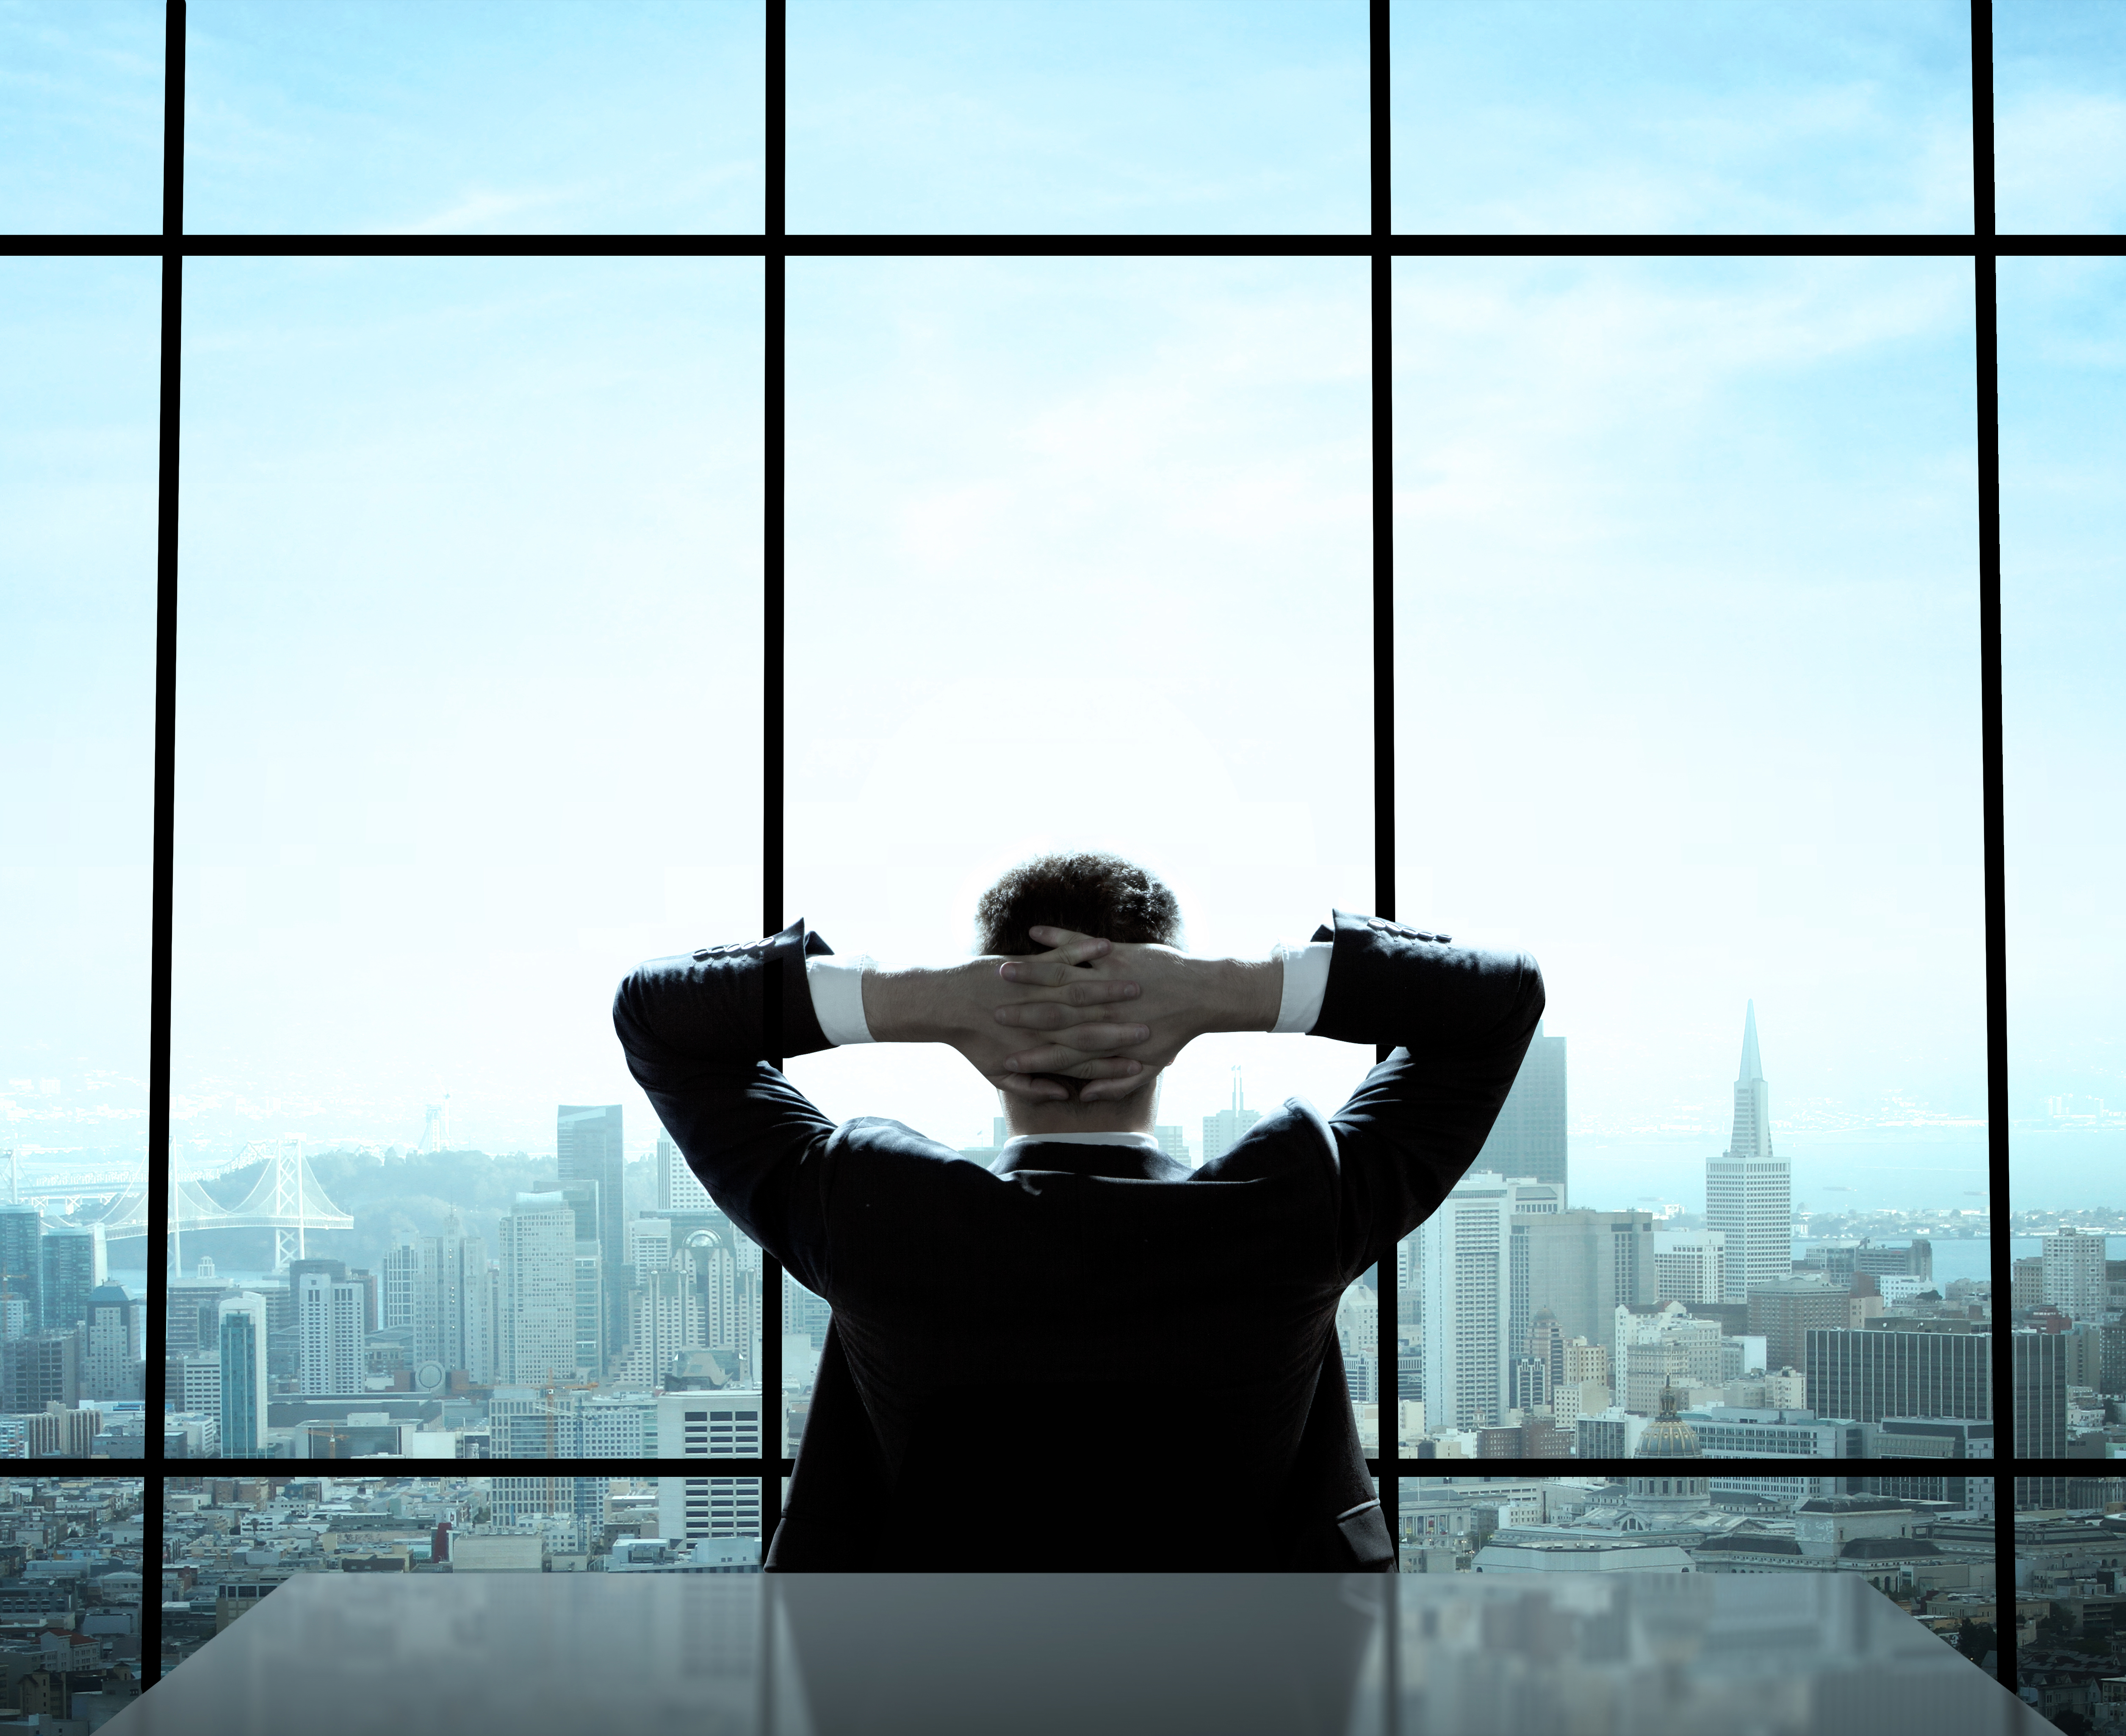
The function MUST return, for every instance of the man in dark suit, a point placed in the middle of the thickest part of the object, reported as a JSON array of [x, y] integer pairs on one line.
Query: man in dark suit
[[1084, 1355]]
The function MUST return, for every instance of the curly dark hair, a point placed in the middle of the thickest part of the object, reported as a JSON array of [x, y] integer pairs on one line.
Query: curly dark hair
[[1088, 890]]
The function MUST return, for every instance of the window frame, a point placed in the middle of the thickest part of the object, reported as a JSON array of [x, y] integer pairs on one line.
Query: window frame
[[774, 247]]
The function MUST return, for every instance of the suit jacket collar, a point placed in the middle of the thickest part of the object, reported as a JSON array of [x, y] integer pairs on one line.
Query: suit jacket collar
[[1133, 1157]]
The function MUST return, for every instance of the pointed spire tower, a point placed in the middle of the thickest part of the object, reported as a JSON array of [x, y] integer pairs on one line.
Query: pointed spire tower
[[1748, 1193]]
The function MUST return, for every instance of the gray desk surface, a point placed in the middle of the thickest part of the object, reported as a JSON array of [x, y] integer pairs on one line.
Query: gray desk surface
[[1565, 1654]]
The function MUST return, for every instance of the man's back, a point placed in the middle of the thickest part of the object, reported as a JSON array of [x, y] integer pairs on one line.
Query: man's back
[[1097, 1358]]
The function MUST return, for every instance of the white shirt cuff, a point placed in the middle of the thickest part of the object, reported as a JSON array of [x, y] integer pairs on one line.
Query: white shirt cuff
[[837, 986], [1305, 982]]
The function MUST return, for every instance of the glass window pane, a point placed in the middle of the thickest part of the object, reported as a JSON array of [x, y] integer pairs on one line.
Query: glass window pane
[[81, 117], [2059, 118], [78, 463], [1687, 601], [480, 117], [1076, 117], [2063, 638], [470, 716], [1640, 116], [1079, 557]]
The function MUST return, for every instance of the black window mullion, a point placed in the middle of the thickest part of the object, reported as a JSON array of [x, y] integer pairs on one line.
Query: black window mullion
[[154, 1384], [773, 1423]]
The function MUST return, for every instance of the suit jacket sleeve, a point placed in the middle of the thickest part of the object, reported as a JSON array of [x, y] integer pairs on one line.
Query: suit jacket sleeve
[[703, 1034], [1460, 1020]]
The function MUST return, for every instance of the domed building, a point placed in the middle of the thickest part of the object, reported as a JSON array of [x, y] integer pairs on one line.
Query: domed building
[[1668, 1499]]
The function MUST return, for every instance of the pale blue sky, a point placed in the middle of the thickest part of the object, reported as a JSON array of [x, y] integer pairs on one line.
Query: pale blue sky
[[533, 116], [1065, 116], [2063, 645], [2059, 118], [81, 116], [1657, 116]]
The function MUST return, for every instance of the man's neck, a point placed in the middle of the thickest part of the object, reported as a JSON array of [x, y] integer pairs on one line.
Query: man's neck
[[1031, 1120]]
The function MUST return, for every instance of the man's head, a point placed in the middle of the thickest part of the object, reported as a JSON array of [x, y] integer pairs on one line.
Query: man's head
[[1091, 893]]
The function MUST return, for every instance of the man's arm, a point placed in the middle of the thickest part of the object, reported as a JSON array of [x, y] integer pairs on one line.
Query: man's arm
[[697, 1030], [1462, 1020]]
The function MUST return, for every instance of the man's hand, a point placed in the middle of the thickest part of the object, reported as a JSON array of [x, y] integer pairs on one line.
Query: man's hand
[[1179, 997], [961, 1004]]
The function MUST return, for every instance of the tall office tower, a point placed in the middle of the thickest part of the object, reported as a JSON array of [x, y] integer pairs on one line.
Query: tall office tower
[[667, 1319], [1174, 1142], [1748, 1193], [197, 1387], [1580, 1264], [2073, 1272], [723, 1424], [2039, 1379], [41, 1368], [679, 1188], [537, 1336], [242, 1334], [1689, 1265], [1466, 1248], [1865, 1377], [1223, 1131], [113, 1335], [22, 1259], [402, 1273], [1528, 1137], [328, 1320], [588, 1142], [454, 1303], [74, 1260], [730, 1273], [1546, 1343], [586, 1199], [1784, 1314]]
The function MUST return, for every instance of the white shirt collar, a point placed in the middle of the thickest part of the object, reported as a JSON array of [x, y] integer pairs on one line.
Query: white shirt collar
[[1142, 1141]]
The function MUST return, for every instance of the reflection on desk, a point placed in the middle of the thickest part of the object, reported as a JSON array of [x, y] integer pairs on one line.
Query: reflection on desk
[[1090, 1654]]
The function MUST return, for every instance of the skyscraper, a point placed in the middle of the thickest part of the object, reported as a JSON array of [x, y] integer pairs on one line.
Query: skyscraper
[[679, 1188], [1690, 1264], [537, 1339], [2038, 1376], [1528, 1137], [328, 1321], [22, 1259], [244, 1389], [74, 1261], [1223, 1131], [588, 1142], [1748, 1193], [453, 1303], [113, 1334], [1580, 1264], [2073, 1273], [1465, 1248], [1865, 1377]]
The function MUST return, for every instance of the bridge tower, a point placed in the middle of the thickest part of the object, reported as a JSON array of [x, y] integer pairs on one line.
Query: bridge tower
[[287, 1202]]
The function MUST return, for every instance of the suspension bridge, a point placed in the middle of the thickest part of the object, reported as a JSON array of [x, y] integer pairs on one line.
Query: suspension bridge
[[286, 1199]]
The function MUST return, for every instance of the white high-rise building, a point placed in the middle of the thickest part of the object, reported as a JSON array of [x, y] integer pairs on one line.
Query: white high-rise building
[[719, 1424], [242, 1321], [537, 1339], [1690, 1265], [113, 1330], [666, 1318], [396, 1284], [328, 1334], [1748, 1193], [1223, 1131], [679, 1188], [730, 1294], [2073, 1271], [1466, 1255]]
